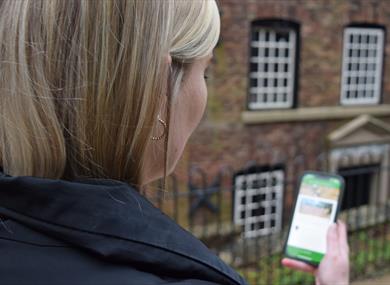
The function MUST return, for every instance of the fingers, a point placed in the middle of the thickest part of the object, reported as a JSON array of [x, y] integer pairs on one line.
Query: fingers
[[298, 265], [332, 240], [343, 237]]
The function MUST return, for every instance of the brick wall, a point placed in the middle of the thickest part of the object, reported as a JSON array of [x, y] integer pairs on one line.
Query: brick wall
[[222, 137]]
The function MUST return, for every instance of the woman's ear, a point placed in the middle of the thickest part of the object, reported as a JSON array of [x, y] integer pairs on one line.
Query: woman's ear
[[168, 59]]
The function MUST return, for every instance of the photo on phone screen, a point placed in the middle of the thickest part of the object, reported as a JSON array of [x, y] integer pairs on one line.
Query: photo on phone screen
[[316, 208]]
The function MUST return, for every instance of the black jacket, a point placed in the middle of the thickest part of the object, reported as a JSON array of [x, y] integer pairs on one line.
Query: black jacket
[[96, 232]]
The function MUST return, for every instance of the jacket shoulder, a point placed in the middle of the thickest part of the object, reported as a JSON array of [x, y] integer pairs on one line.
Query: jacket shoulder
[[45, 260]]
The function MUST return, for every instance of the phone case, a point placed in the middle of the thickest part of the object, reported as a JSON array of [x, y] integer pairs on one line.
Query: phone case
[[340, 199]]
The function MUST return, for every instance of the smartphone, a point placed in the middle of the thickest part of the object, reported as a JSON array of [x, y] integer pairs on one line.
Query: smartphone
[[316, 208]]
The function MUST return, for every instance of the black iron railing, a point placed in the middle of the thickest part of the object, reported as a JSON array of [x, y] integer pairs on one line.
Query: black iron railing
[[206, 204]]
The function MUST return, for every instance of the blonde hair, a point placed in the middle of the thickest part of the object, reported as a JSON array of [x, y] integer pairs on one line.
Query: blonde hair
[[81, 81]]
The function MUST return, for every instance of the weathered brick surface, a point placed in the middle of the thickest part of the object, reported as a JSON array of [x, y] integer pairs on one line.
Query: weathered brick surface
[[222, 138]]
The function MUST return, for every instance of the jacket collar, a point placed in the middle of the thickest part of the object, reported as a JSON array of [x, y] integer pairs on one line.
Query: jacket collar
[[112, 220]]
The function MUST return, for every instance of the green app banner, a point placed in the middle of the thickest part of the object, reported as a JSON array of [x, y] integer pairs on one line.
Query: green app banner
[[312, 179], [305, 254]]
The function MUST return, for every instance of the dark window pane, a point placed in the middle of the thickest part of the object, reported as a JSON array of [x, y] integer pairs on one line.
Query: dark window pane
[[258, 212], [254, 52], [256, 184], [358, 181], [254, 82], [256, 198], [254, 67], [253, 97], [282, 36], [261, 225]]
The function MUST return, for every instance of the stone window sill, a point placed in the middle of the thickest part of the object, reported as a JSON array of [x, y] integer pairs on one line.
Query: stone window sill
[[313, 114]]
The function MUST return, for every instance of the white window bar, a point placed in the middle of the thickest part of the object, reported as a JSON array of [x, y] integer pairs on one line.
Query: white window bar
[[362, 66], [272, 75], [258, 202]]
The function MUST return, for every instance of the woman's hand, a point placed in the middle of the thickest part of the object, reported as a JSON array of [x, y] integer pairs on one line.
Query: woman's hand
[[334, 267]]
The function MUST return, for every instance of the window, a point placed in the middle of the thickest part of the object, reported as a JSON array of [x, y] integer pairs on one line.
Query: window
[[359, 183], [258, 200], [273, 64], [366, 174], [362, 65]]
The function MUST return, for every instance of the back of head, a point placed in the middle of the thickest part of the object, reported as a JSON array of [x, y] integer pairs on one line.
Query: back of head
[[81, 81]]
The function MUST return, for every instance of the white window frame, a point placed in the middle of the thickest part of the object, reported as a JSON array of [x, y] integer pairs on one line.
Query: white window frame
[[273, 198], [281, 95], [359, 80]]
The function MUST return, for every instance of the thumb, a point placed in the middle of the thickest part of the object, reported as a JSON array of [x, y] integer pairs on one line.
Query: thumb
[[332, 245]]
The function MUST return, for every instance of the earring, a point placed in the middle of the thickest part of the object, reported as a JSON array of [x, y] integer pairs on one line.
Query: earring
[[162, 122]]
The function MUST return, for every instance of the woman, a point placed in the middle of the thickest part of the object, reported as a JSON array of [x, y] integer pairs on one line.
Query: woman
[[98, 98]]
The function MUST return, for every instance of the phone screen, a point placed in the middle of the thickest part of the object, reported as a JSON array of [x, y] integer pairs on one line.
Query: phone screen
[[315, 210]]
